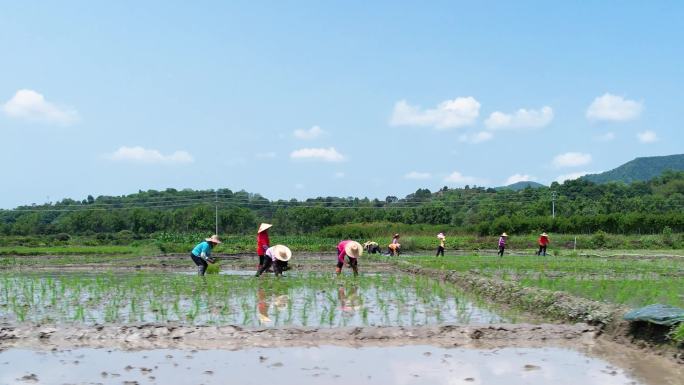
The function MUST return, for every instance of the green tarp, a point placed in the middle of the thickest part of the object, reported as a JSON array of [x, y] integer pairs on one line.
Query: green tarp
[[657, 314]]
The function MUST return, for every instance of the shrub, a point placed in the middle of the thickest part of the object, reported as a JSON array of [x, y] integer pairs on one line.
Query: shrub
[[599, 239]]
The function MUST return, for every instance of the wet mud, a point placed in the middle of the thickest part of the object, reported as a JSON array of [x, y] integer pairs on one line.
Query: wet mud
[[158, 336]]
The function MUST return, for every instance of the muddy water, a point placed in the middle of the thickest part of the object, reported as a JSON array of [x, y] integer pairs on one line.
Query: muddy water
[[418, 364]]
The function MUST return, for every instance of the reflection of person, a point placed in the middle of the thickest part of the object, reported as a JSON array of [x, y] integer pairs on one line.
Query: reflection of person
[[201, 253], [395, 246], [502, 244], [263, 243], [262, 306], [352, 250], [372, 247], [440, 248], [543, 242], [264, 302], [278, 256], [349, 303]]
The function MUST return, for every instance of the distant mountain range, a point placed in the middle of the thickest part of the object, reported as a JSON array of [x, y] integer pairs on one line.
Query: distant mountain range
[[639, 169]]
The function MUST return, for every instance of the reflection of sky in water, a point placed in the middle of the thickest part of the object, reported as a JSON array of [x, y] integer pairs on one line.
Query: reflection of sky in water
[[405, 365]]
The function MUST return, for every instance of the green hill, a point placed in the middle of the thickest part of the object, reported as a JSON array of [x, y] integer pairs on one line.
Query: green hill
[[517, 186], [639, 169]]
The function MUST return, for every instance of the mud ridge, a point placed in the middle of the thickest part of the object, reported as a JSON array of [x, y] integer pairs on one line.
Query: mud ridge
[[149, 336], [555, 305]]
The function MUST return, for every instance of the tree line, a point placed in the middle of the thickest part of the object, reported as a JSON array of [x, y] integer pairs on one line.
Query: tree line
[[580, 207]]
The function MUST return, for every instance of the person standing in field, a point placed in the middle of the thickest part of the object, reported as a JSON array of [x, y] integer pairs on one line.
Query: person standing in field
[[395, 246], [201, 253], [440, 248], [278, 256], [263, 243], [352, 250], [502, 244], [543, 242]]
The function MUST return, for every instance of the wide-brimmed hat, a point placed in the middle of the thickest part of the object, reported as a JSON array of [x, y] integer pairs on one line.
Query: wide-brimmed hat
[[396, 235], [282, 253], [264, 226], [353, 249], [214, 239], [369, 243], [441, 236], [504, 235], [544, 235]]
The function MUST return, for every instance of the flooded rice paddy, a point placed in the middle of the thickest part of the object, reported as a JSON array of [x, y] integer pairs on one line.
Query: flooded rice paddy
[[307, 299]]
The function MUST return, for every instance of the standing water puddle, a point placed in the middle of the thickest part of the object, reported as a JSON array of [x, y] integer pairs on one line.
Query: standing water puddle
[[309, 299], [325, 364]]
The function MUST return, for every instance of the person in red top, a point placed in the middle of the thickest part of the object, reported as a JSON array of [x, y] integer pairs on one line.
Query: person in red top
[[263, 243], [543, 242], [352, 250]]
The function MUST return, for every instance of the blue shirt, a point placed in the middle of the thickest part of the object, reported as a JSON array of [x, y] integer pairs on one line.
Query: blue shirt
[[203, 246]]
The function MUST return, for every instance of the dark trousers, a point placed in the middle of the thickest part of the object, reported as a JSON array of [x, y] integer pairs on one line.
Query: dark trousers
[[262, 260], [201, 264], [501, 251], [542, 250], [278, 266], [440, 250]]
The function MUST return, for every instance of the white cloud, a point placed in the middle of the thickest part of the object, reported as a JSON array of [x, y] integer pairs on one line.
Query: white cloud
[[299, 186], [339, 175], [32, 106], [607, 137], [614, 108], [417, 175], [515, 178], [454, 113], [571, 176], [265, 155], [325, 154], [460, 179], [311, 133], [520, 119], [477, 137], [647, 136], [571, 159], [143, 155]]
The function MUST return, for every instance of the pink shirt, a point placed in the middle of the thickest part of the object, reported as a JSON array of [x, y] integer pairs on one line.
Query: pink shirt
[[340, 251]]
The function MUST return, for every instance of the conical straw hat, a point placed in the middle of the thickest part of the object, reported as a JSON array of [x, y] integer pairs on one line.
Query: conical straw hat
[[353, 249], [214, 238], [282, 253], [264, 226]]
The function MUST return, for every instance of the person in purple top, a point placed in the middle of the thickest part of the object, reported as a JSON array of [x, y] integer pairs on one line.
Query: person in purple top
[[502, 244], [352, 250]]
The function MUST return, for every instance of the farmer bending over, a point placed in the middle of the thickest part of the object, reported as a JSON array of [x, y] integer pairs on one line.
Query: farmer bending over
[[395, 246], [278, 256], [372, 247], [201, 254], [352, 250]]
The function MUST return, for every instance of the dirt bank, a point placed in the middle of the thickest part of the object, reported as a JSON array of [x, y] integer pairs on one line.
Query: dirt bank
[[556, 305], [149, 336]]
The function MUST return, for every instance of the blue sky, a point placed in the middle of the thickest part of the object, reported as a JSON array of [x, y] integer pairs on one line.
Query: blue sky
[[301, 99]]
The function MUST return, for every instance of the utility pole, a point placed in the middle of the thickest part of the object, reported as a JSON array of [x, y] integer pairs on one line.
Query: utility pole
[[216, 210], [553, 204]]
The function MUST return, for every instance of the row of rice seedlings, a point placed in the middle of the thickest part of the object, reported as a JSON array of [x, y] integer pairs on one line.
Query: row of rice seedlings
[[160, 298]]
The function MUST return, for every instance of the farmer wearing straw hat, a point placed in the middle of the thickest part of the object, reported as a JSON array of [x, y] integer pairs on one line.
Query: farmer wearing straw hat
[[543, 242], [372, 247], [395, 246], [278, 256], [201, 253], [352, 250], [440, 248], [263, 243], [502, 244]]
